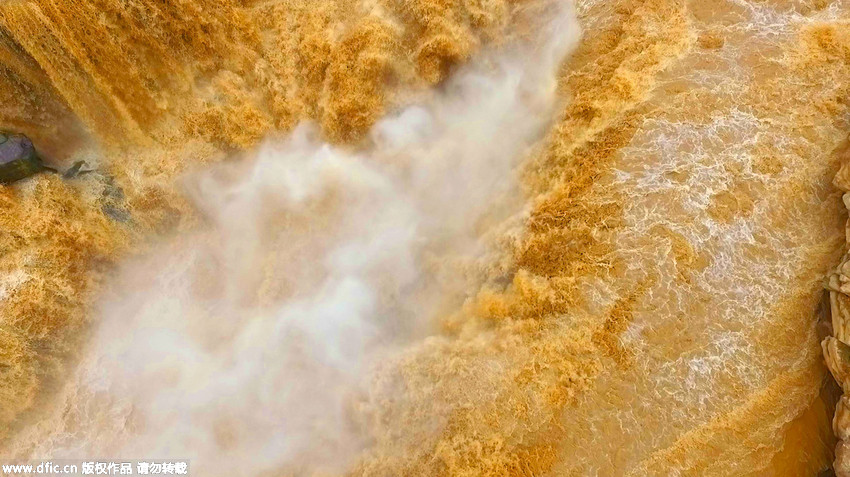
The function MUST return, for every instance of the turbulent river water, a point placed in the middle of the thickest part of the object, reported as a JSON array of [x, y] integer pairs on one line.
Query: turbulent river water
[[423, 237]]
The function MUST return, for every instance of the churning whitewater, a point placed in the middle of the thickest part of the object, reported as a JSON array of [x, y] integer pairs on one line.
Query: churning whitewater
[[387, 238], [253, 345]]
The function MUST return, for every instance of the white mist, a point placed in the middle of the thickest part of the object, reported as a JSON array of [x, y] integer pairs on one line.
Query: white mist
[[242, 347]]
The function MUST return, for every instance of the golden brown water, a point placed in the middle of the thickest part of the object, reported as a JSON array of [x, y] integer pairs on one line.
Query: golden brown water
[[657, 312]]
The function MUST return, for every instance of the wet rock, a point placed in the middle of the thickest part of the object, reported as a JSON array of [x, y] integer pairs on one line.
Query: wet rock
[[18, 158]]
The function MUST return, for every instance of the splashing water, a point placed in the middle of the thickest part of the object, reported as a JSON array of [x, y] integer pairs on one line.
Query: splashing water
[[245, 346]]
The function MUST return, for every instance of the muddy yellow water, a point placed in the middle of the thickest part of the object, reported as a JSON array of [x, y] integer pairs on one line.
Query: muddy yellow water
[[658, 311]]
